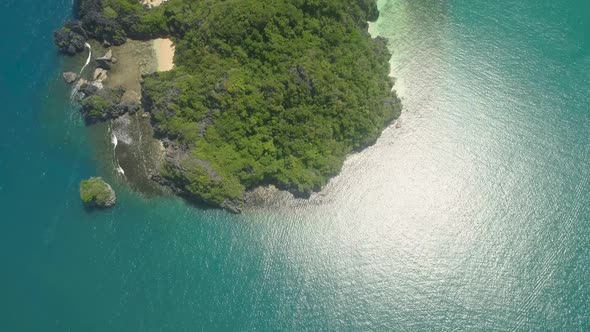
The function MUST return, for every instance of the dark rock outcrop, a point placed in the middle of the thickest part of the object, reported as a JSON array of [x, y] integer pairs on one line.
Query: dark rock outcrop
[[106, 65], [92, 23], [100, 104], [106, 62], [100, 27], [87, 89], [126, 107], [71, 39]]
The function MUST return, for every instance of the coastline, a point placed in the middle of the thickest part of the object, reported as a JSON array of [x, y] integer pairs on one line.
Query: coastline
[[134, 81], [164, 49], [137, 154]]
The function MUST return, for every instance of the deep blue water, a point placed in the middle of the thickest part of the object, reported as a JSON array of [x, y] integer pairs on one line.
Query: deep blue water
[[474, 215]]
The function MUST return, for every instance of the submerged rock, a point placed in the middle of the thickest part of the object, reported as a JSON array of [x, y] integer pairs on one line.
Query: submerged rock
[[95, 192], [70, 77]]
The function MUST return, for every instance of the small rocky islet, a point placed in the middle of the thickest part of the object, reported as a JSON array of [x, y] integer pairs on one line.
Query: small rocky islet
[[274, 94], [96, 193]]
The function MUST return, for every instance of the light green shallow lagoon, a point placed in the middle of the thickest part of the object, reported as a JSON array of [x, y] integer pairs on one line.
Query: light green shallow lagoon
[[473, 215]]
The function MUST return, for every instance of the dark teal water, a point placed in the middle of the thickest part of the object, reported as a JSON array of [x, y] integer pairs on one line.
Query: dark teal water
[[474, 215]]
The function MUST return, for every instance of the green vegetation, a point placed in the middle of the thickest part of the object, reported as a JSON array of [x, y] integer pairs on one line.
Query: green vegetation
[[96, 192], [263, 92], [96, 106]]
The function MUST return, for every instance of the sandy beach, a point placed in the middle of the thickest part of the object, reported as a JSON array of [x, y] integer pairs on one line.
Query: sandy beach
[[163, 46], [164, 53], [153, 3]]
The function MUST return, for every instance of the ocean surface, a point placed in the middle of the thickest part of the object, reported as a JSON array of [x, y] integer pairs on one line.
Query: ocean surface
[[473, 215]]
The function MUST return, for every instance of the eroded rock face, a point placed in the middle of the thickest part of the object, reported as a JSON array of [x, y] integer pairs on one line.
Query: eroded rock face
[[180, 165], [70, 77]]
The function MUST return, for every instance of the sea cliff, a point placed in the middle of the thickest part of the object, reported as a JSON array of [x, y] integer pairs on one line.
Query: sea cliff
[[274, 93]]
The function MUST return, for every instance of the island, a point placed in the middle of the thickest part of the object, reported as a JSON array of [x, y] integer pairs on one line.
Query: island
[[261, 93], [96, 193]]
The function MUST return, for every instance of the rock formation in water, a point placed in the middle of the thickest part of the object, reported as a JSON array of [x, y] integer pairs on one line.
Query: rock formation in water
[[95, 192]]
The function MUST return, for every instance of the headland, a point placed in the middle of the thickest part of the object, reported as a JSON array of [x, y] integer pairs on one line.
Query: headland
[[242, 95]]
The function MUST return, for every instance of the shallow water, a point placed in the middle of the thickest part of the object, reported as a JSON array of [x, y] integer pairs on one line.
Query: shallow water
[[472, 216]]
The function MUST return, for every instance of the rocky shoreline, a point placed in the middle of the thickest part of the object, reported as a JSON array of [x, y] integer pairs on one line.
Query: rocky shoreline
[[100, 102], [107, 96], [108, 91]]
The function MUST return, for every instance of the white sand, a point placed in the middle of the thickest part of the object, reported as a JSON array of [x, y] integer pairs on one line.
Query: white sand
[[153, 3], [163, 46], [164, 53]]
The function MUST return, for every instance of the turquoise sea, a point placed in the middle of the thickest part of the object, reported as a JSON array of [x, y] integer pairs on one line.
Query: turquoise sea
[[473, 215]]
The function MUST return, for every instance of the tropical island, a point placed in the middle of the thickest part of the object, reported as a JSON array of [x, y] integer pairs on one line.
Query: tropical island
[[262, 92]]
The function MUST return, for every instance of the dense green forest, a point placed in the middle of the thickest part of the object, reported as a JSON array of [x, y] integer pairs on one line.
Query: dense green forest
[[263, 92]]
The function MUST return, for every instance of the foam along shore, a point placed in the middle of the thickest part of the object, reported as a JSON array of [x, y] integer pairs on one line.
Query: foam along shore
[[164, 53]]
